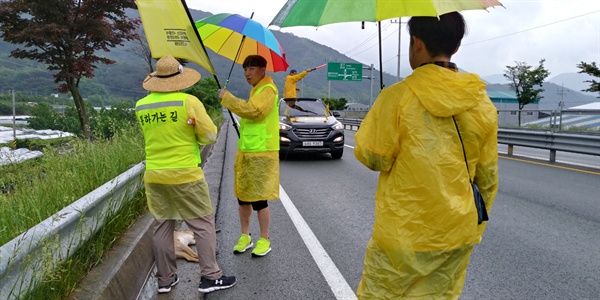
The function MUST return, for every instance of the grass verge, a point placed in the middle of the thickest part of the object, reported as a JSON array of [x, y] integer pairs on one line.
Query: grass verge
[[34, 190]]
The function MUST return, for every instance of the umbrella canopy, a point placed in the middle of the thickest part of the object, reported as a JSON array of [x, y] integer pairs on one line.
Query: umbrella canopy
[[321, 12], [223, 33]]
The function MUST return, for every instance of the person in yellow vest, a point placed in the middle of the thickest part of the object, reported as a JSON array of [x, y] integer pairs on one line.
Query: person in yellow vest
[[290, 90], [256, 165], [429, 136], [174, 125]]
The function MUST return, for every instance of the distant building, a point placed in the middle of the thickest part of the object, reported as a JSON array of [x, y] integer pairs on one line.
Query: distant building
[[582, 116], [508, 109]]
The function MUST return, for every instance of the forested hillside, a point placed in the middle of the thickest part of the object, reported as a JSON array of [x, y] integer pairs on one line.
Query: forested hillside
[[123, 79]]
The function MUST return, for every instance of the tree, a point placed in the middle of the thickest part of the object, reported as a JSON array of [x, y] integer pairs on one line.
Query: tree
[[526, 82], [142, 49], [65, 35], [592, 70], [207, 91], [336, 104]]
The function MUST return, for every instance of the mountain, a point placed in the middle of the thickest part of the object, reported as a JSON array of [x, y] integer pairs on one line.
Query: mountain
[[124, 78], [552, 95], [495, 79], [574, 81], [570, 81]]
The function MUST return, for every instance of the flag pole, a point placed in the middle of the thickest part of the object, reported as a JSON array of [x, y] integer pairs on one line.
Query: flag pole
[[235, 124]]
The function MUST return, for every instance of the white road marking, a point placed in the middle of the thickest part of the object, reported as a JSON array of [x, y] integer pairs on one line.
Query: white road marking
[[336, 281], [348, 146]]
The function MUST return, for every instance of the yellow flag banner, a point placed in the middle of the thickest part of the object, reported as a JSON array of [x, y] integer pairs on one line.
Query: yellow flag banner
[[171, 31]]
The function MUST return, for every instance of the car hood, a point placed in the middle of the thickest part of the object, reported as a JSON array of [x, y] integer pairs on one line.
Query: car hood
[[311, 120]]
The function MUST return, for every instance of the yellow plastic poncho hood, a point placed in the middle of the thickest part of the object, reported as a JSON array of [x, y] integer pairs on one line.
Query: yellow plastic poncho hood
[[424, 202]]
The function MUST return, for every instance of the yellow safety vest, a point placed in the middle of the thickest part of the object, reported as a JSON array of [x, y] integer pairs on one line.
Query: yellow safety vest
[[263, 135], [170, 142]]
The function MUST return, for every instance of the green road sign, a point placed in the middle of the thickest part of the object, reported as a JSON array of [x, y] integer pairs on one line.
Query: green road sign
[[344, 71]]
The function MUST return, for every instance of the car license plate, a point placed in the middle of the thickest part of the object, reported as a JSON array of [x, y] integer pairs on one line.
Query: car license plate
[[319, 143]]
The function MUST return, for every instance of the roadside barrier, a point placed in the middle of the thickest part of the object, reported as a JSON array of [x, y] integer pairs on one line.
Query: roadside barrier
[[24, 259], [540, 139]]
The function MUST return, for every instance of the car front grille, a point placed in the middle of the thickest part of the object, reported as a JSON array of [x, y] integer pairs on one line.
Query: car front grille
[[312, 132]]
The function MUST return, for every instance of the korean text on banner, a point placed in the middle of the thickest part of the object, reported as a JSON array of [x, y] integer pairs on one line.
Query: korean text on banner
[[170, 31]]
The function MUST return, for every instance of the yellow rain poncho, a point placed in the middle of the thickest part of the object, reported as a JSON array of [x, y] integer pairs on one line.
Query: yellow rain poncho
[[425, 217], [289, 90], [257, 173], [174, 182]]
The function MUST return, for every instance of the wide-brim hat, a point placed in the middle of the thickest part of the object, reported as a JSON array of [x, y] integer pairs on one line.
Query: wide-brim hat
[[170, 76]]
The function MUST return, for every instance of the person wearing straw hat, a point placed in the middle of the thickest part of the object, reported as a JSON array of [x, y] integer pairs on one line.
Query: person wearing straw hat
[[256, 165], [174, 125]]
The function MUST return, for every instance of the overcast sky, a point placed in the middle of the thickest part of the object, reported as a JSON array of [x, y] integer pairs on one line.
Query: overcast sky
[[564, 32]]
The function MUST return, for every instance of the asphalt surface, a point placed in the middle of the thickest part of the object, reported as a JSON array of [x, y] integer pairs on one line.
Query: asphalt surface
[[542, 240]]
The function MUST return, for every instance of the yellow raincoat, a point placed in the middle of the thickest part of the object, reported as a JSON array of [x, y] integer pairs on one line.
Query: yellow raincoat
[[174, 182], [289, 90], [425, 217], [257, 173]]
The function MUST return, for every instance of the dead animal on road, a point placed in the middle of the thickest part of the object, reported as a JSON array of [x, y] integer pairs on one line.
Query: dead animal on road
[[182, 239]]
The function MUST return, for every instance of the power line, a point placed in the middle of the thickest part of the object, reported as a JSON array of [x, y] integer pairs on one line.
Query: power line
[[383, 39], [532, 28], [366, 40], [516, 32]]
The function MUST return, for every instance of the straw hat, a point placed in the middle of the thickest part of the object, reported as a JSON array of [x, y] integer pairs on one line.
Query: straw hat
[[170, 76]]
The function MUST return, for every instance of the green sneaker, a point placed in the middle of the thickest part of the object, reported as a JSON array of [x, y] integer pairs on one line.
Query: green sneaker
[[243, 244], [263, 246]]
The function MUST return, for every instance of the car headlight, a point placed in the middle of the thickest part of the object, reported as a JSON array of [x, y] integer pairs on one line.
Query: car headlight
[[284, 126], [337, 126]]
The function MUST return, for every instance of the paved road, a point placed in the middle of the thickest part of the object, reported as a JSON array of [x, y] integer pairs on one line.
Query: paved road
[[543, 239]]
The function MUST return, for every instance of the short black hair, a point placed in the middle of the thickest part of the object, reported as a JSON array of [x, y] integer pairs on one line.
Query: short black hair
[[255, 61], [441, 35]]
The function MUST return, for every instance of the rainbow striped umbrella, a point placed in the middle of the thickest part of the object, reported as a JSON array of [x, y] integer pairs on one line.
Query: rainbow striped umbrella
[[223, 34]]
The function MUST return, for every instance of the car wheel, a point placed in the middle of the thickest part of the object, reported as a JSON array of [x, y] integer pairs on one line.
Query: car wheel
[[337, 154]]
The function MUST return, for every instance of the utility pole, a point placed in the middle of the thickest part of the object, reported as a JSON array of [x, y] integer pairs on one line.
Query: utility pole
[[14, 120], [399, 21], [561, 92], [371, 95]]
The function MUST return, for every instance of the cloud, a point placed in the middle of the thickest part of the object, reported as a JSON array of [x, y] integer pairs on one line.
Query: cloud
[[562, 32]]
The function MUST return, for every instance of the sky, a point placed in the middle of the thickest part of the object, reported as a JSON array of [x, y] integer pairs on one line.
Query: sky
[[564, 32]]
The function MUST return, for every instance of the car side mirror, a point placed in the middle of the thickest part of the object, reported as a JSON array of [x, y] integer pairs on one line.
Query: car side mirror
[[336, 114]]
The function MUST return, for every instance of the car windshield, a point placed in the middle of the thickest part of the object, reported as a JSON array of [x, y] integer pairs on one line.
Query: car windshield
[[299, 108]]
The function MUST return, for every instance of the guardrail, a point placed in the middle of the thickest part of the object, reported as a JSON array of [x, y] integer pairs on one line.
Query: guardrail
[[352, 123], [553, 141], [25, 259]]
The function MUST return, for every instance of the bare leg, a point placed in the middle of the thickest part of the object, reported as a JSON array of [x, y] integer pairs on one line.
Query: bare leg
[[245, 212], [264, 218]]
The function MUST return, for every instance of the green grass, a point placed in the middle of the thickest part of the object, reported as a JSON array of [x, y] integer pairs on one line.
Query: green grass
[[36, 189], [58, 282]]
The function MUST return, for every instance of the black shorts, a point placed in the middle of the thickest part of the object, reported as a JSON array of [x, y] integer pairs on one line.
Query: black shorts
[[256, 205]]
